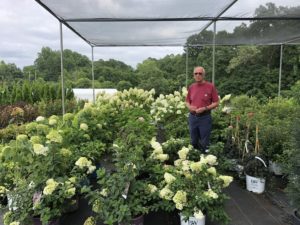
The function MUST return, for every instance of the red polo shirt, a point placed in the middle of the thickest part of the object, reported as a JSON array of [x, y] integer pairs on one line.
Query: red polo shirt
[[202, 94]]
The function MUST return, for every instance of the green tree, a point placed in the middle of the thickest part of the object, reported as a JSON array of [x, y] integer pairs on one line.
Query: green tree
[[9, 72], [107, 84], [48, 64], [123, 85], [150, 76], [18, 96], [114, 71], [26, 92], [84, 83]]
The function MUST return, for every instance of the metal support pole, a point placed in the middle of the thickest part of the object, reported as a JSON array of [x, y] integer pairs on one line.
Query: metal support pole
[[213, 56], [186, 66], [62, 70], [280, 70], [93, 77]]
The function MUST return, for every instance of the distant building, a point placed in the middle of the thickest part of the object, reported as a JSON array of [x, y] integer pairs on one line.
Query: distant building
[[87, 93]]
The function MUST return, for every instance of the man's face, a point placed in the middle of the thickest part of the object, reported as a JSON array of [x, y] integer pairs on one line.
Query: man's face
[[198, 74]]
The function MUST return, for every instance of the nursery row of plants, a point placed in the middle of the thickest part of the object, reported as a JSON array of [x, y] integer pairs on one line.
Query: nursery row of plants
[[138, 148], [23, 101], [32, 92], [48, 165]]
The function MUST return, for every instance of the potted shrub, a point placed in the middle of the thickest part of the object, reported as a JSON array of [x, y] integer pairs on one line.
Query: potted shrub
[[293, 187], [194, 188], [256, 172], [255, 169], [273, 141], [43, 201], [169, 112], [3, 197], [121, 199], [239, 145], [40, 204], [42, 165], [275, 131]]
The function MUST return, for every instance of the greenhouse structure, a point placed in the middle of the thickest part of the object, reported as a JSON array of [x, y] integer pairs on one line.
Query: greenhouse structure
[[171, 23]]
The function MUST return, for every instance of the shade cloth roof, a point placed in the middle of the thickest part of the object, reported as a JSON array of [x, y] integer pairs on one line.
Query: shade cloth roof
[[172, 22]]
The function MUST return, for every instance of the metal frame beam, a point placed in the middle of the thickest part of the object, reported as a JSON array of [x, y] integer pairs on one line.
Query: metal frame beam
[[216, 18], [62, 69], [93, 77], [280, 70]]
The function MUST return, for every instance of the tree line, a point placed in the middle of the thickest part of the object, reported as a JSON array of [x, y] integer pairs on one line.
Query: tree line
[[251, 70]]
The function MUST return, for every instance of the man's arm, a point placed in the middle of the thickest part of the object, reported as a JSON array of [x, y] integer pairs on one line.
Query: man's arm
[[190, 107], [212, 105], [207, 108]]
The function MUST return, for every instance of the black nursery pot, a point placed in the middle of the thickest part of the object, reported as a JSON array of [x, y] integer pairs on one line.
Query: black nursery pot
[[296, 218], [37, 221], [3, 201], [136, 221]]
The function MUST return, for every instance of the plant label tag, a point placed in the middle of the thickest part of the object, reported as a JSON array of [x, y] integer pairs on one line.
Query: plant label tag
[[125, 192]]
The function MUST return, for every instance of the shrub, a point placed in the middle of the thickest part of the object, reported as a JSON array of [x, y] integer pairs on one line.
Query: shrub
[[294, 170], [55, 107], [17, 113], [10, 132]]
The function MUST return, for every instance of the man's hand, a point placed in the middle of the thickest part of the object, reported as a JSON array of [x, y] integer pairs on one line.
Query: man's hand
[[192, 108], [200, 110]]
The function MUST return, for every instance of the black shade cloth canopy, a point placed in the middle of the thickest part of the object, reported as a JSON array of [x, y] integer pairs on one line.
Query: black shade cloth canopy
[[173, 22]]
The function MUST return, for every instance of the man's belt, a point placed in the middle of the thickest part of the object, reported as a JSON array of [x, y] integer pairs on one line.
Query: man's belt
[[201, 114]]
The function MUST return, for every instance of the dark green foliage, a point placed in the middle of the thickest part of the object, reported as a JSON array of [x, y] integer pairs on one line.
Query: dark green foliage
[[256, 168], [48, 108], [124, 85], [294, 170], [294, 92], [26, 92], [174, 129], [9, 72], [32, 92], [275, 131], [114, 71], [13, 94], [11, 132], [217, 149], [151, 76], [134, 127], [83, 83], [48, 63]]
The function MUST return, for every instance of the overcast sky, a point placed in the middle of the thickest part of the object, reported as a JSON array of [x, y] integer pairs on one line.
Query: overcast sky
[[26, 27]]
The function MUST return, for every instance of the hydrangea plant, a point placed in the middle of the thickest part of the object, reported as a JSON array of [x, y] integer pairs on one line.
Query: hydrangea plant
[[194, 187]]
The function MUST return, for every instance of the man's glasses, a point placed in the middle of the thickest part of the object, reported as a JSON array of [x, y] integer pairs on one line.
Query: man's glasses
[[198, 74]]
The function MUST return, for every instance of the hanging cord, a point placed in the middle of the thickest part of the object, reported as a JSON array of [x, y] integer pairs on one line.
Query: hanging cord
[[262, 161], [236, 135], [246, 150], [256, 150]]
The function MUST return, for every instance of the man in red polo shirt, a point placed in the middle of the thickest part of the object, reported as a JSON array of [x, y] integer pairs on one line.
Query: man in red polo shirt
[[202, 97]]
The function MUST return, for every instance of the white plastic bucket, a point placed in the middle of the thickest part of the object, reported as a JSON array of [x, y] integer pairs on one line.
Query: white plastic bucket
[[192, 221], [255, 184]]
